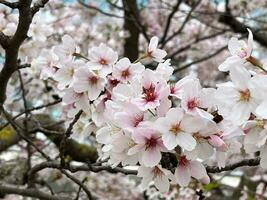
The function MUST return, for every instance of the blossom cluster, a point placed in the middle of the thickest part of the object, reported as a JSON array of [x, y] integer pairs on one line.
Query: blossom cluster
[[140, 116]]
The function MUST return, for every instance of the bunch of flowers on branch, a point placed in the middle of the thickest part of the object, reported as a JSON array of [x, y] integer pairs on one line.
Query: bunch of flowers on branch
[[169, 130]]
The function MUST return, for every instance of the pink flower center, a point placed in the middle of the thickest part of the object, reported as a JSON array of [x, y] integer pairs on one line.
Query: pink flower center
[[151, 142], [93, 80], [125, 73], [113, 81], [192, 104], [149, 93], [173, 90], [183, 161]]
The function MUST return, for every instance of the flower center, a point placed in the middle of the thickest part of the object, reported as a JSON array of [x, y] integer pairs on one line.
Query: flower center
[[183, 161], [175, 129], [131, 143], [102, 61], [93, 80], [192, 104], [149, 93], [172, 89], [125, 73], [244, 95], [113, 81], [157, 172], [151, 143]]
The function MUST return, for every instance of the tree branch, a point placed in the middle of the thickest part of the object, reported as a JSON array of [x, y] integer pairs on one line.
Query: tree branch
[[38, 5], [62, 147], [182, 26], [12, 189], [246, 162], [4, 40], [76, 151], [238, 27], [12, 5], [197, 40], [169, 19], [131, 43], [204, 58]]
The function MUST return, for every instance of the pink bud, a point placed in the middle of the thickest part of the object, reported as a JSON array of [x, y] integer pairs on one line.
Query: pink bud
[[216, 141]]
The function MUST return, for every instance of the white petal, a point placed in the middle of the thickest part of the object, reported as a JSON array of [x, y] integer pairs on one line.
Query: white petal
[[261, 110], [162, 183], [169, 140], [151, 157], [197, 170], [182, 175], [191, 124], [153, 43], [186, 141]]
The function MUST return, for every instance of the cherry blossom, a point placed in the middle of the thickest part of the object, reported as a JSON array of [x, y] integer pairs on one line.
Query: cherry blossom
[[177, 129], [153, 52], [236, 100], [240, 51], [102, 58], [139, 115], [187, 169], [160, 176], [125, 71], [87, 80], [149, 144], [66, 50]]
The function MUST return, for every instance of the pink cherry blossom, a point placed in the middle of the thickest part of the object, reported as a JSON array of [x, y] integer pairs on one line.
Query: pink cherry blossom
[[149, 145]]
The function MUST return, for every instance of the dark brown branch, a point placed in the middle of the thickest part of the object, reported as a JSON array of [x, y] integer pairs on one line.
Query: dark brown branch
[[197, 40], [131, 43], [98, 9], [30, 110], [136, 19], [80, 183], [73, 168], [169, 19], [12, 49], [4, 40], [12, 189], [182, 26], [238, 27], [12, 46], [62, 147], [95, 168], [12, 5], [38, 5], [246, 162], [204, 58], [21, 133]]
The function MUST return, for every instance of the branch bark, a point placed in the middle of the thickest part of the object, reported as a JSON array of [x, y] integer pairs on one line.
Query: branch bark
[[12, 189], [78, 152], [238, 27], [131, 48]]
